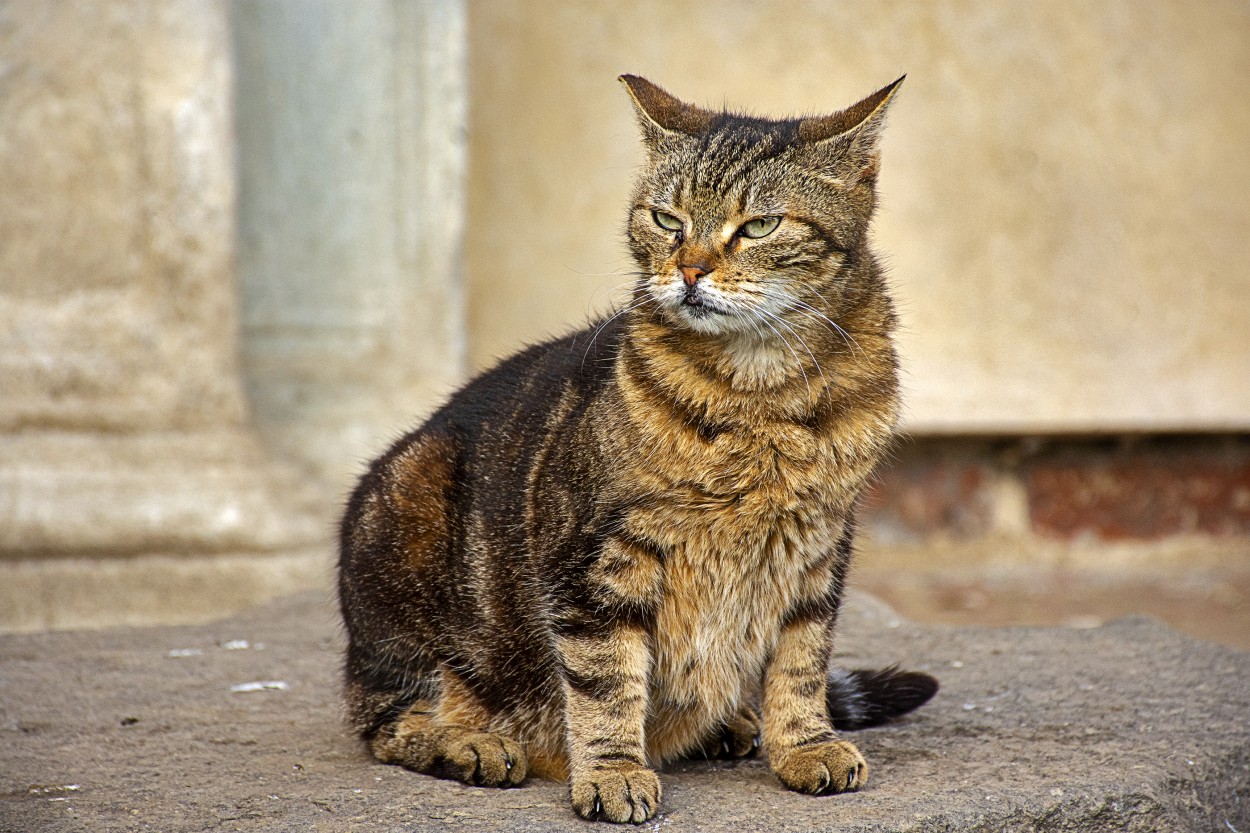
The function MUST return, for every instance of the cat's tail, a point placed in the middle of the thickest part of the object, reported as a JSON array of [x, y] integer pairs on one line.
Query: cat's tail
[[862, 698]]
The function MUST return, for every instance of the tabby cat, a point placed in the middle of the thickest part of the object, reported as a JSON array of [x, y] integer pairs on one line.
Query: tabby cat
[[629, 545]]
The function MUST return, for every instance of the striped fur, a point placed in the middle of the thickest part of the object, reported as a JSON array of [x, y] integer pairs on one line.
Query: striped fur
[[620, 547]]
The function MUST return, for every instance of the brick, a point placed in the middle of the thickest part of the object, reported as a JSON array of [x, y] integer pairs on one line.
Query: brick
[[1153, 492], [927, 494]]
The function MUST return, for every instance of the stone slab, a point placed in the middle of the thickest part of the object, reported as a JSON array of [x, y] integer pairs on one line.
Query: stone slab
[[1130, 726]]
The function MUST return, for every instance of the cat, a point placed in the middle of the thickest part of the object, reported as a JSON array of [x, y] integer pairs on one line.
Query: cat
[[629, 545]]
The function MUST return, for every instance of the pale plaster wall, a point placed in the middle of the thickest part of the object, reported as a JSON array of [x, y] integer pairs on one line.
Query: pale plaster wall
[[1064, 211], [351, 164], [132, 481], [116, 218], [135, 485], [123, 423]]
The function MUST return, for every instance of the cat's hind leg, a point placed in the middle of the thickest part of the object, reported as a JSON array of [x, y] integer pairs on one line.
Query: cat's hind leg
[[448, 737], [738, 737]]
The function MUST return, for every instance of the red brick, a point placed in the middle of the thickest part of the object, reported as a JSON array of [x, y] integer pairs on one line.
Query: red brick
[[1140, 494], [918, 498]]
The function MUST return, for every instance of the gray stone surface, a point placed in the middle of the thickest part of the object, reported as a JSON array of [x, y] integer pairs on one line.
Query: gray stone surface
[[1126, 727]]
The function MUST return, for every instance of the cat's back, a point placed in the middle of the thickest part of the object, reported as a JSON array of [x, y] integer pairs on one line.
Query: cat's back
[[426, 533], [482, 436], [528, 384]]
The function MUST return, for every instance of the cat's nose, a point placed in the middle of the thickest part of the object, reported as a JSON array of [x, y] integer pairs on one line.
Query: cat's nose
[[691, 274]]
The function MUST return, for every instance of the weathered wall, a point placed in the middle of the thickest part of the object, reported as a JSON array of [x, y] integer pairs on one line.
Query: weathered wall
[[116, 218], [123, 425], [351, 162], [1064, 209], [132, 484], [134, 480]]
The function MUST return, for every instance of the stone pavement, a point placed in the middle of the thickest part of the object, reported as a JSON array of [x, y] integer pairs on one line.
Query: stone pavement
[[1129, 726]]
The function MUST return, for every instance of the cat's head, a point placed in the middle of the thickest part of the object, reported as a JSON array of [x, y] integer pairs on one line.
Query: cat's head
[[737, 221]]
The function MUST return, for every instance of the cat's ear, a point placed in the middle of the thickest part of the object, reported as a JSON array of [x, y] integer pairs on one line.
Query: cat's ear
[[660, 113], [852, 135]]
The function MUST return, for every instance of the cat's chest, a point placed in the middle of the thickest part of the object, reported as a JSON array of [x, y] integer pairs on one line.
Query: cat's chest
[[726, 478], [735, 568], [748, 519], [724, 602], [754, 562]]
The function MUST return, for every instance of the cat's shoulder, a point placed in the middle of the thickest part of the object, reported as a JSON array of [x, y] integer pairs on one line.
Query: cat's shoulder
[[538, 375]]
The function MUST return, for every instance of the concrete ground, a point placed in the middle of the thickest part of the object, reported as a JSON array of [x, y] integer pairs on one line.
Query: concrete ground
[[1211, 604], [235, 725]]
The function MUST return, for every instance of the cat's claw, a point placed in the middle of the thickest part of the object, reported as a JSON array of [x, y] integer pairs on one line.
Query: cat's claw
[[619, 791], [825, 768], [485, 759], [739, 737]]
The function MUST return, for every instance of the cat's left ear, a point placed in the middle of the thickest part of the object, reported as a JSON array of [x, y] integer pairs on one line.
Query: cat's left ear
[[852, 135], [661, 114]]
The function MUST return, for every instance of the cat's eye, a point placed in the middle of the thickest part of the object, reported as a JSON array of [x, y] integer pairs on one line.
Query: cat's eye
[[759, 227], [667, 221]]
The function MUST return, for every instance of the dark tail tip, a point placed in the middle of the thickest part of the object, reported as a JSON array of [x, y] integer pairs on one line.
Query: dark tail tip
[[862, 698]]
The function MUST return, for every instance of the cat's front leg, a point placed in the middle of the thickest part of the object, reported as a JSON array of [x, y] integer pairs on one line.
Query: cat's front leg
[[605, 696], [802, 747], [601, 624]]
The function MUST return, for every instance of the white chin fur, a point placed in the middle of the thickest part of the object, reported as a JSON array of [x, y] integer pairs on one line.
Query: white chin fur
[[709, 323], [700, 320]]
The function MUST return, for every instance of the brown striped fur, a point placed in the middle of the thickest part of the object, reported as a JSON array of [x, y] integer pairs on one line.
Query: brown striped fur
[[623, 546]]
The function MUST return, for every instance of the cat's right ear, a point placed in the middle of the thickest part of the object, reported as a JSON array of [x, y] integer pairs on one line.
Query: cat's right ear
[[848, 140], [661, 114]]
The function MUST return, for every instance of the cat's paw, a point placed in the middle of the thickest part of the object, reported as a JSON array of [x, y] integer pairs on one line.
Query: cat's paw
[[738, 738], [822, 768], [620, 791], [484, 759]]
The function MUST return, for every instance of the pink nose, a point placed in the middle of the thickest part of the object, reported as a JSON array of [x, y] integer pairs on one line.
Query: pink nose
[[691, 274]]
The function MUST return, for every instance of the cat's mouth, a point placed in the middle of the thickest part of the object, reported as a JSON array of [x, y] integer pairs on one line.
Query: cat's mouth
[[695, 303], [697, 307]]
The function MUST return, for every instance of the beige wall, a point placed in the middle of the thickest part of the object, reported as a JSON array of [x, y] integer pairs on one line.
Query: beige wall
[[116, 219], [1064, 215]]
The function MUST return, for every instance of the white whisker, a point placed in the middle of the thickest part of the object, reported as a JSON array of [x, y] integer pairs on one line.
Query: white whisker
[[781, 321], [786, 342], [627, 308], [804, 308]]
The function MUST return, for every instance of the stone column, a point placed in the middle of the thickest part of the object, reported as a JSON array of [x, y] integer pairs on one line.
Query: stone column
[[351, 157], [132, 483]]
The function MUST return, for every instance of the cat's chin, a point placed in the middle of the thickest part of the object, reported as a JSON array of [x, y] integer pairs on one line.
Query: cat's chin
[[705, 322], [702, 319]]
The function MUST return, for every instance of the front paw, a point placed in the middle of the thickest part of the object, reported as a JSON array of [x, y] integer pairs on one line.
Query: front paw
[[620, 791], [822, 768]]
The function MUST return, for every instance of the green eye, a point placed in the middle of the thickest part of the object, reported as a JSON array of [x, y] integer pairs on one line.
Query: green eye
[[759, 227], [667, 221]]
